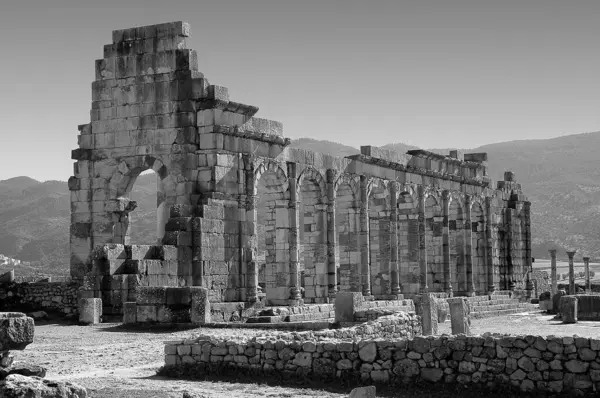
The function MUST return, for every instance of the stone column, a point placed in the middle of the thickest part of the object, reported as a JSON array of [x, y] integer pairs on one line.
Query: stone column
[[572, 289], [588, 283], [460, 315], [446, 242], [489, 257], [295, 291], [394, 259], [468, 236], [553, 271], [332, 239], [422, 241], [364, 237], [250, 236]]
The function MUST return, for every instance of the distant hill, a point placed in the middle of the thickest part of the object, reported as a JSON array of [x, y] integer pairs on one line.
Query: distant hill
[[561, 176]]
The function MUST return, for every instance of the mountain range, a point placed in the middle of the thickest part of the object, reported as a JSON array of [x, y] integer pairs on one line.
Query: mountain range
[[561, 177]]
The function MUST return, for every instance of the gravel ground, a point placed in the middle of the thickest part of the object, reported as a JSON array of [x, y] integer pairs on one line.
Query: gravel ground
[[114, 362]]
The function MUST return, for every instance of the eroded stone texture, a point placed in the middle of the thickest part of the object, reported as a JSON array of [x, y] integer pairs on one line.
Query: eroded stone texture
[[200, 311], [16, 331], [429, 314], [17, 386], [363, 392], [251, 219]]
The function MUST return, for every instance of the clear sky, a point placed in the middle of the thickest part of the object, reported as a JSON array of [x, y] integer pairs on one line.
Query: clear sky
[[445, 73]]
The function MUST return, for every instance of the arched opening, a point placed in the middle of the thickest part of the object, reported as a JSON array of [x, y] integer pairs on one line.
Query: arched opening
[[379, 240], [147, 221], [456, 243], [348, 223], [434, 243], [313, 252], [408, 243], [478, 248], [273, 257]]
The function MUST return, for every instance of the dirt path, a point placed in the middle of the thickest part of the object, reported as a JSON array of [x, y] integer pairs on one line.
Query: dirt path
[[116, 363]]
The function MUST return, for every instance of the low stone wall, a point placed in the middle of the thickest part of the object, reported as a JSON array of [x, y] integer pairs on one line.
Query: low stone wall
[[528, 363], [47, 296], [588, 306]]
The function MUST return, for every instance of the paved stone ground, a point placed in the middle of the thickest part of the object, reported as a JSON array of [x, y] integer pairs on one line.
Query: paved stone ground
[[118, 363]]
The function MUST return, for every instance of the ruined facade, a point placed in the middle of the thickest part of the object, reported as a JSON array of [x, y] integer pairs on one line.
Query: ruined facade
[[242, 213]]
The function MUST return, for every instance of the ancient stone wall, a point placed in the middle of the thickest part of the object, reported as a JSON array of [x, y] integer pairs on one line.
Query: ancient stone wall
[[527, 363], [252, 219], [47, 296]]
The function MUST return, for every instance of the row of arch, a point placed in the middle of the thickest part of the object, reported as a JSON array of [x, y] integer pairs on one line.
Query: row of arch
[[391, 209]]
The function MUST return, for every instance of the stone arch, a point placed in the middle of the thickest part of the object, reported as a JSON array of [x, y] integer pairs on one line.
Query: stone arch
[[120, 185], [407, 203], [379, 235], [313, 239], [348, 231], [270, 166], [434, 240], [272, 231]]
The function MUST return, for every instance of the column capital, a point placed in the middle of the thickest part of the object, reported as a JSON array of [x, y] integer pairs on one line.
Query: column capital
[[571, 253], [552, 252], [586, 259]]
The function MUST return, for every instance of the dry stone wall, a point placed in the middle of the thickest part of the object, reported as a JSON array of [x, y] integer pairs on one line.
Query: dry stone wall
[[47, 296], [527, 363]]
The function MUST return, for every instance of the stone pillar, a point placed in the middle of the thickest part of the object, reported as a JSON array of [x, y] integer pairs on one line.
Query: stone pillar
[[588, 283], [468, 234], [446, 243], [553, 271], [460, 315], [90, 311], [129, 312], [294, 216], [364, 237], [394, 258], [572, 289], [200, 306], [332, 238], [429, 314], [422, 241], [489, 257], [568, 309]]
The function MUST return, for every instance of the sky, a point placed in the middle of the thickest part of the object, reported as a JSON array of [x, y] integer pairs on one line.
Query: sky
[[445, 73]]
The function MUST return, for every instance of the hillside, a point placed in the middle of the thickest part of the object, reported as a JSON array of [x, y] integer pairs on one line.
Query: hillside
[[561, 176]]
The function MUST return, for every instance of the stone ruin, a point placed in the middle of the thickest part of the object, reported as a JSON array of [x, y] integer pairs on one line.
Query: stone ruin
[[251, 219]]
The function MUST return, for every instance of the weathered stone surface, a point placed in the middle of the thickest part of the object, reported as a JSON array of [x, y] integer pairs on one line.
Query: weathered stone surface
[[429, 314], [90, 311], [200, 305], [363, 392], [460, 315], [556, 300], [18, 386], [24, 370], [568, 309], [346, 304], [16, 331]]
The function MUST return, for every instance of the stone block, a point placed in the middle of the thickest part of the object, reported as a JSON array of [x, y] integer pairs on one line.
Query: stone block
[[16, 331], [178, 296], [129, 312], [90, 311], [200, 311], [429, 314], [146, 313], [346, 304], [568, 309], [152, 295], [363, 392], [556, 301], [460, 315]]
